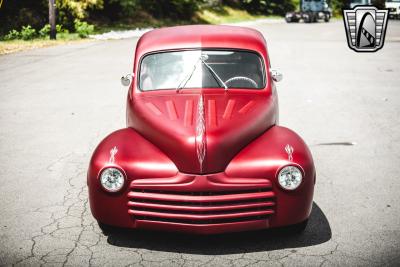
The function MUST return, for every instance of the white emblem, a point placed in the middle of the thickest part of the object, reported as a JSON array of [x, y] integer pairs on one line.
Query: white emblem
[[289, 150], [113, 151], [365, 28]]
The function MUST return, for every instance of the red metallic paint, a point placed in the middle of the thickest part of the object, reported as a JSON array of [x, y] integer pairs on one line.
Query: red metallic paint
[[223, 138], [236, 187]]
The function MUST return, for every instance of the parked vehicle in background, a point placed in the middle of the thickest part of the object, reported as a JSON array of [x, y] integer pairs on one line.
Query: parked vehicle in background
[[310, 11], [394, 8], [354, 3]]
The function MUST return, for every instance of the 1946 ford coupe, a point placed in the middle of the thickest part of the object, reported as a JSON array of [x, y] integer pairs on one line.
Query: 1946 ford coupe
[[202, 151]]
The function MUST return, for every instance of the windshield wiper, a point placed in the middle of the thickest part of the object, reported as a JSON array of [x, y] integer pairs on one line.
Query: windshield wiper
[[203, 59], [188, 77], [220, 82]]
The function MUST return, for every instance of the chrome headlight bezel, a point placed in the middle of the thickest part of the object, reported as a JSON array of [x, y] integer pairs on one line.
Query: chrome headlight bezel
[[297, 177], [118, 173]]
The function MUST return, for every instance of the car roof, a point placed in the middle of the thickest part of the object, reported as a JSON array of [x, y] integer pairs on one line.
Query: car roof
[[201, 36]]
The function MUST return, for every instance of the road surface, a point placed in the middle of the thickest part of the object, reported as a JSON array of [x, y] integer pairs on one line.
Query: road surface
[[57, 103]]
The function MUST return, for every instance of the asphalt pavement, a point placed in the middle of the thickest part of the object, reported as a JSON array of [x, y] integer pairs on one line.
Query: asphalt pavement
[[57, 103]]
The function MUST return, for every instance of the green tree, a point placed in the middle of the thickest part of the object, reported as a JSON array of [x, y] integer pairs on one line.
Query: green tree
[[16, 14], [270, 7], [69, 10], [174, 9], [78, 8]]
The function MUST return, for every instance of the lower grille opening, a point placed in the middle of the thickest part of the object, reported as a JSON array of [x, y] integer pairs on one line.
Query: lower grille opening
[[201, 207], [238, 211], [188, 203], [197, 222]]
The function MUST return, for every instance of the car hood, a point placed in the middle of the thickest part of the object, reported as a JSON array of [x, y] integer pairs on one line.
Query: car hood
[[201, 132]]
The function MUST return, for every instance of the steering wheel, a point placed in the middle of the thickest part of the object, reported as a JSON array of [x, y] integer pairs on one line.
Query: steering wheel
[[241, 78]]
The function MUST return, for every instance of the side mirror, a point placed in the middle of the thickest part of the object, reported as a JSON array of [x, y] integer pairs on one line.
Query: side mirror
[[276, 75], [127, 79]]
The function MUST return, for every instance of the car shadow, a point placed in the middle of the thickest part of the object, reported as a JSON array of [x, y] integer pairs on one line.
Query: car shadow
[[318, 231]]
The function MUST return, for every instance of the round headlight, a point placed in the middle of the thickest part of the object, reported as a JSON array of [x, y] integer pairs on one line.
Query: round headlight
[[112, 179], [290, 177]]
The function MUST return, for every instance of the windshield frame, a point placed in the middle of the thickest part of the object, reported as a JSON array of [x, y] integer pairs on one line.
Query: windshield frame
[[263, 71]]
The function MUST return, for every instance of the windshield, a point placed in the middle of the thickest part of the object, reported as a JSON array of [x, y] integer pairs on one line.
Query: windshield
[[201, 69]]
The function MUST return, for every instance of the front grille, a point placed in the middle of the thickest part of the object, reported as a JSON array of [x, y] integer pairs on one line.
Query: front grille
[[206, 207]]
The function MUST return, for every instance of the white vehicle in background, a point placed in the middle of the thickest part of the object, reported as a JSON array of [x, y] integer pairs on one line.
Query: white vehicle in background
[[394, 8], [354, 3]]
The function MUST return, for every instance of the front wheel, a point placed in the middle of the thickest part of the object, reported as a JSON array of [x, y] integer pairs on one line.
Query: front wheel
[[307, 18], [315, 18], [327, 17]]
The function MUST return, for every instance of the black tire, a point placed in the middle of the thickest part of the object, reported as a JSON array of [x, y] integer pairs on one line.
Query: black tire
[[291, 18], [327, 17], [309, 18], [297, 228]]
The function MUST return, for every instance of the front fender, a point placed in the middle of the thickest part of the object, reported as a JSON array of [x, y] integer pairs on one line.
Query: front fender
[[129, 151], [264, 158]]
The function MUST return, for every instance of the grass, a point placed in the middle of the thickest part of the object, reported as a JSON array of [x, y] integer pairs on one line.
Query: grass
[[7, 47], [218, 15], [12, 46], [226, 14]]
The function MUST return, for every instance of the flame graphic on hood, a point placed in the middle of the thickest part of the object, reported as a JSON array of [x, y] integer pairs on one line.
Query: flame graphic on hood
[[200, 133]]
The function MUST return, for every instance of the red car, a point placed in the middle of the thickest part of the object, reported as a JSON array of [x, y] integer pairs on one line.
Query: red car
[[202, 151]]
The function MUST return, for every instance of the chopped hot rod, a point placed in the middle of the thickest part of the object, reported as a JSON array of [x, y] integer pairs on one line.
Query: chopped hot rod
[[202, 151]]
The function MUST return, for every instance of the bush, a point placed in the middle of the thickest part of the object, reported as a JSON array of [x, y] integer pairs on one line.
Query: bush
[[28, 33], [45, 31], [15, 14], [83, 28], [12, 35], [60, 29], [173, 9]]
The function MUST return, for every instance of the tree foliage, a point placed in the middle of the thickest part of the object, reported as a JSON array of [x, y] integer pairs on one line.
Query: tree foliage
[[69, 10], [16, 14], [264, 7], [78, 8], [173, 9]]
